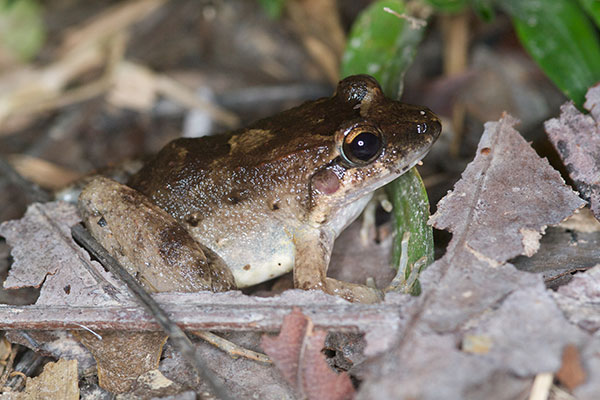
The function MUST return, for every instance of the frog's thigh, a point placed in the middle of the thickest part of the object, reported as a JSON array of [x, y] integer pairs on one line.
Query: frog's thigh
[[148, 241]]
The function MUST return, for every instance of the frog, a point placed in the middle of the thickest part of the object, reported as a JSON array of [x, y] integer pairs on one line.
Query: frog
[[233, 210]]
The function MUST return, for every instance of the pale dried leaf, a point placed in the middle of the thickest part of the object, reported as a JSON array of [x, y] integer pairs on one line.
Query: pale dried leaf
[[44, 251], [576, 138], [296, 352], [582, 221], [579, 300], [58, 381], [506, 188], [44, 173], [506, 197]]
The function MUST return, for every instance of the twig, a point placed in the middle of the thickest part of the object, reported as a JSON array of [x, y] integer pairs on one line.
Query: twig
[[220, 312], [415, 23], [231, 348], [541, 386], [29, 363], [177, 336]]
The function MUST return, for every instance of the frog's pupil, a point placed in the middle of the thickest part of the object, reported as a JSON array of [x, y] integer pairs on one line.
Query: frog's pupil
[[365, 145]]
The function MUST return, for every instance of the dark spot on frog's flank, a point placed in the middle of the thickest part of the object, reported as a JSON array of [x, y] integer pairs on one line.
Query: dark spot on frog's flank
[[562, 148], [279, 264], [130, 198], [246, 267], [102, 222], [192, 220], [237, 196], [275, 206], [67, 289], [172, 239], [485, 151]]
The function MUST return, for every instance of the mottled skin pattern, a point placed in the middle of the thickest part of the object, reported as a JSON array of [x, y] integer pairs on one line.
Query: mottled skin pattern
[[273, 196]]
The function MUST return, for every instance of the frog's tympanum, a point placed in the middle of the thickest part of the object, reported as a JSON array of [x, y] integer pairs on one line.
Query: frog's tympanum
[[238, 209]]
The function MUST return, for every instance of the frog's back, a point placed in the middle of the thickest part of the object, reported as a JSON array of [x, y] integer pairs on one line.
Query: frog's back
[[269, 156]]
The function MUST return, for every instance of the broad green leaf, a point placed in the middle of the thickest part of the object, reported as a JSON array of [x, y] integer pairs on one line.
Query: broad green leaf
[[561, 39], [484, 9], [273, 8], [592, 8], [22, 30], [448, 6], [383, 45], [411, 213]]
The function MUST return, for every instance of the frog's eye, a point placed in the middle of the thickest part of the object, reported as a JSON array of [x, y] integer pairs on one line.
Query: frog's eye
[[362, 144]]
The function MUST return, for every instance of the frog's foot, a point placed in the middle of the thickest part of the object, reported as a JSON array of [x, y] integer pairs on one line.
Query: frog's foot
[[352, 291]]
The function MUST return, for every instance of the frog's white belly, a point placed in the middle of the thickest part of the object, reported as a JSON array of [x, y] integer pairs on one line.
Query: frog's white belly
[[255, 255], [258, 247]]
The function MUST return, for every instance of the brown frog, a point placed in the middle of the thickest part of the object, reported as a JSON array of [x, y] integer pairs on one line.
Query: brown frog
[[238, 209]]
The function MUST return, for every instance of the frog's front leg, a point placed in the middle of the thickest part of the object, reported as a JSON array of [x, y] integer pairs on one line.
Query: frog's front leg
[[313, 251]]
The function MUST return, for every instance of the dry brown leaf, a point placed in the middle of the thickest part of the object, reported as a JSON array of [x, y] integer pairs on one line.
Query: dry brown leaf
[[122, 357], [505, 193], [44, 173], [318, 24], [506, 196], [576, 138], [44, 251], [571, 373], [579, 300], [297, 354], [58, 381]]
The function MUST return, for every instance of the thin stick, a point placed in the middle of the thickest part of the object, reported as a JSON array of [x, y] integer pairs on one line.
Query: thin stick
[[231, 348], [178, 337]]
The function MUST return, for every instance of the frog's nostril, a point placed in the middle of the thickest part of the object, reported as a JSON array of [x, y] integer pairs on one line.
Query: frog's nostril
[[422, 128]]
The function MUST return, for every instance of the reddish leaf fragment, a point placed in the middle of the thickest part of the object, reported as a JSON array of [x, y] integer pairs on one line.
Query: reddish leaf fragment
[[296, 352], [576, 138], [571, 373]]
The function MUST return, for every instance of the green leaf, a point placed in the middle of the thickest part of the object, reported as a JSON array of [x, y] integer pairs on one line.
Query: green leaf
[[382, 45], [273, 8], [484, 9], [22, 31], [411, 213], [560, 38], [448, 6], [592, 8]]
